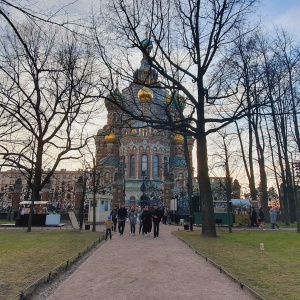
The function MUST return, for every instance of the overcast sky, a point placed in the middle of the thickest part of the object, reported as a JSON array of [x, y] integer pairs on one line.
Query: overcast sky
[[285, 13]]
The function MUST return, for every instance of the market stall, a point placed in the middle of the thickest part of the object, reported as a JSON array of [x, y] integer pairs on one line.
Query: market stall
[[40, 216], [241, 209]]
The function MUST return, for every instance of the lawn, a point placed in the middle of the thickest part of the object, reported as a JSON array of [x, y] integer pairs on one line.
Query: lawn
[[273, 272], [27, 256]]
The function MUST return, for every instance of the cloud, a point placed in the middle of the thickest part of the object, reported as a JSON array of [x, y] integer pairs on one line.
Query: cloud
[[289, 20]]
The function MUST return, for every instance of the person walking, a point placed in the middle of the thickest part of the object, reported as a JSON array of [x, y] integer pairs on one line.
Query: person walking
[[132, 216], [139, 214], [108, 225], [273, 218], [170, 214], [156, 217], [122, 216], [114, 215], [261, 215], [253, 217], [147, 221], [165, 215]]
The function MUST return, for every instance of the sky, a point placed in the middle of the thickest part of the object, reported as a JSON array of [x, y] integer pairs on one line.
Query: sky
[[281, 13]]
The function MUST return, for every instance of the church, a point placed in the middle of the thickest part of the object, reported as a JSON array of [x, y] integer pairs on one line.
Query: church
[[142, 164]]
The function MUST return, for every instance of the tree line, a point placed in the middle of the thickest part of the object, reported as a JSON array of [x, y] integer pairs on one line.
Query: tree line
[[224, 75]]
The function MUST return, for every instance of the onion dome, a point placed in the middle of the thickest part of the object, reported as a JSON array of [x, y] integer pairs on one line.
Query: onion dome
[[146, 73], [100, 131], [146, 43], [178, 139], [113, 97], [175, 101], [111, 138], [145, 94]]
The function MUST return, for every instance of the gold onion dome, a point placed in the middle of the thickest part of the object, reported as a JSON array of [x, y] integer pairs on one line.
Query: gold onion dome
[[111, 138], [145, 94], [178, 139]]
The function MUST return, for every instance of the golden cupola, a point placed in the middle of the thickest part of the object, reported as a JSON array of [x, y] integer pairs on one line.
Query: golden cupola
[[145, 94], [178, 139], [111, 138]]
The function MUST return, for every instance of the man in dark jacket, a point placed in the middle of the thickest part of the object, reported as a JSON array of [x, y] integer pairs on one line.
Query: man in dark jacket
[[122, 216], [253, 217], [114, 215], [156, 217]]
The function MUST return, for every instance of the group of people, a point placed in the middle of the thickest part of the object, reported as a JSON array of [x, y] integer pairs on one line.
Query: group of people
[[145, 216], [261, 221]]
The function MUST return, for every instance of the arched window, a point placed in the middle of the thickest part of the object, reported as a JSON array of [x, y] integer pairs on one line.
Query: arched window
[[145, 163], [132, 166], [145, 132], [156, 166], [106, 178]]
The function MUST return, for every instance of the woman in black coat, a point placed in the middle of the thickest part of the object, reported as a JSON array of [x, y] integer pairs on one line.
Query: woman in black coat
[[147, 221], [253, 217]]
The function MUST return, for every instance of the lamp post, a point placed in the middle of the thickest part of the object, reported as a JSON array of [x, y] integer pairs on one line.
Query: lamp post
[[124, 167], [296, 185], [96, 178], [143, 190], [81, 210], [121, 174]]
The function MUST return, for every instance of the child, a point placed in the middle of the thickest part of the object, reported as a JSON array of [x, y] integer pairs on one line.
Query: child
[[108, 225]]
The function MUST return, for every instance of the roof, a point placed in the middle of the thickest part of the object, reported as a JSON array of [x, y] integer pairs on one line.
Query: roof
[[35, 202], [240, 202]]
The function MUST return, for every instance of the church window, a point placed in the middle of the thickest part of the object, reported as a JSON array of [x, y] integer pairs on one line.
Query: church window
[[132, 166], [145, 132], [156, 166], [106, 178], [145, 163]]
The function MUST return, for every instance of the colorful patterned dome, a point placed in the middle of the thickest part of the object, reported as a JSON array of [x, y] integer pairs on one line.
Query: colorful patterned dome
[[175, 101], [177, 162], [145, 94], [146, 43], [113, 97]]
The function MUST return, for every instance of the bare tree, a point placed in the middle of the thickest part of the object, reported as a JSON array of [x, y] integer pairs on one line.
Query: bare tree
[[188, 38], [48, 96], [282, 104]]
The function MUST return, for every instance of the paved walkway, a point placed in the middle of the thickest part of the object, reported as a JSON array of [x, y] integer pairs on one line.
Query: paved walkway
[[138, 267]]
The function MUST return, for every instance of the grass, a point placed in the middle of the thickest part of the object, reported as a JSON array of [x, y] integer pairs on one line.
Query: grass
[[272, 273], [7, 222], [26, 257]]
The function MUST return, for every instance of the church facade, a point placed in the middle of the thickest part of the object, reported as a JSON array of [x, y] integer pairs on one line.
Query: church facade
[[143, 164]]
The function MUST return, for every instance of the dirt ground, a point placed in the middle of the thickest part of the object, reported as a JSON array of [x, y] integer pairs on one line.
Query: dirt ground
[[139, 267]]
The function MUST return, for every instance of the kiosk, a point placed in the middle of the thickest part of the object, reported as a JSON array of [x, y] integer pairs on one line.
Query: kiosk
[[40, 216]]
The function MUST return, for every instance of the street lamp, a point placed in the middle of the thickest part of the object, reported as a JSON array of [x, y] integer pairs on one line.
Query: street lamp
[[122, 174], [96, 178], [81, 210], [296, 185], [143, 189]]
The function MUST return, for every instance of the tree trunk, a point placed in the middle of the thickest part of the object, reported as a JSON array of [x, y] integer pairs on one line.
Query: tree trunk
[[208, 220]]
